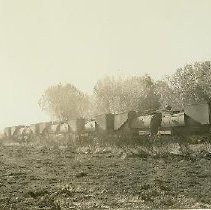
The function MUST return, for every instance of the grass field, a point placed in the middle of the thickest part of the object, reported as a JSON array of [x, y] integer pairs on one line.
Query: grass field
[[61, 177]]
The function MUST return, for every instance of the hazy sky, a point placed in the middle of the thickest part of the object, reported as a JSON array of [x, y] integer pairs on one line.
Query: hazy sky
[[44, 42]]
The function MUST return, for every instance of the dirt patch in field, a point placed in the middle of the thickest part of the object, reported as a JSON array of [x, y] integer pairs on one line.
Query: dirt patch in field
[[61, 177]]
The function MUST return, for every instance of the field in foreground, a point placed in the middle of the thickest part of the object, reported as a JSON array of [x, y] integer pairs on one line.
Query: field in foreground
[[45, 177]]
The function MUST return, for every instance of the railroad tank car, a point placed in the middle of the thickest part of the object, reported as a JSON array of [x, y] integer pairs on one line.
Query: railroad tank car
[[16, 131], [76, 125], [42, 128], [34, 128], [90, 126], [120, 120], [123, 123], [104, 123], [64, 128], [142, 124], [21, 132], [171, 123], [2, 134], [7, 132], [27, 133], [101, 126], [145, 124], [197, 118], [193, 120], [53, 128]]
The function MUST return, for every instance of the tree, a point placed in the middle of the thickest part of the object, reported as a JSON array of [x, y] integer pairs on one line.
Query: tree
[[125, 94], [167, 94], [193, 83], [64, 102], [150, 98], [190, 84]]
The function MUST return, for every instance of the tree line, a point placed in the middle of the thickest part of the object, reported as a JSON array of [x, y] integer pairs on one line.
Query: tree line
[[190, 84]]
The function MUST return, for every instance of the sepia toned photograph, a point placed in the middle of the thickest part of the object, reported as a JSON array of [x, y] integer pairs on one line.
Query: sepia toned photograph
[[105, 104]]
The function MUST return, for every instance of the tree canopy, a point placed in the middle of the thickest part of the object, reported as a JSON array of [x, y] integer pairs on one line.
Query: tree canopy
[[190, 84], [117, 95], [64, 102]]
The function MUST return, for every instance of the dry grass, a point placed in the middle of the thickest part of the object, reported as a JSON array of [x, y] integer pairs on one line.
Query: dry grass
[[55, 175]]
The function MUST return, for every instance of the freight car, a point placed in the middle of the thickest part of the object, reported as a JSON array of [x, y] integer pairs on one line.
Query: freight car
[[44, 130], [24, 132], [194, 119]]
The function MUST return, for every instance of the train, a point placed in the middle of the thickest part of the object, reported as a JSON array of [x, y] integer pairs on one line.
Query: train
[[194, 119]]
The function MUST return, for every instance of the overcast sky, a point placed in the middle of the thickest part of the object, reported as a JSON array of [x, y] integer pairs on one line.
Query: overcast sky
[[44, 42]]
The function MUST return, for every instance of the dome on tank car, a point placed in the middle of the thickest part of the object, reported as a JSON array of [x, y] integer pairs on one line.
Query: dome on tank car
[[168, 107]]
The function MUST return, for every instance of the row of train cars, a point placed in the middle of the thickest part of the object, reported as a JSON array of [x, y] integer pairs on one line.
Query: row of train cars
[[193, 119]]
